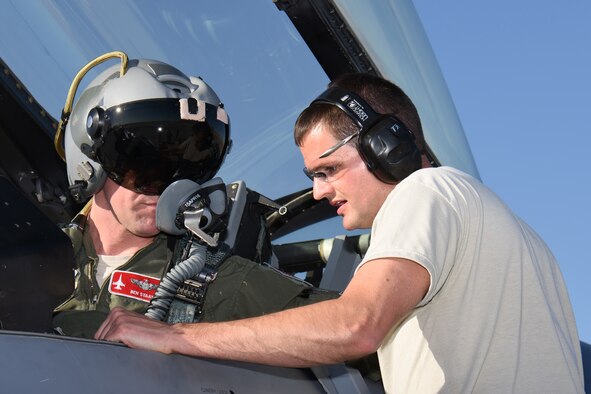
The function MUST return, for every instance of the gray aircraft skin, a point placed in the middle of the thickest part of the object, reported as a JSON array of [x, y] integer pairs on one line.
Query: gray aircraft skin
[[266, 60]]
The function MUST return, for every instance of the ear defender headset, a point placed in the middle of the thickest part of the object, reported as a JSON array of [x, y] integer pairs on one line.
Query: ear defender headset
[[385, 144]]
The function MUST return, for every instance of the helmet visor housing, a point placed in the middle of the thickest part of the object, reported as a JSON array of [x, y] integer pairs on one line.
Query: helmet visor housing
[[146, 145]]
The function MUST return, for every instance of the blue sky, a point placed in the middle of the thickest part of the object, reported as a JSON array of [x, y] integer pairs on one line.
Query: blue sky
[[519, 74]]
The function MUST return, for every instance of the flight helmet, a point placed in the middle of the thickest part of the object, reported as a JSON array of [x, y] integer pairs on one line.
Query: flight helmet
[[144, 129]]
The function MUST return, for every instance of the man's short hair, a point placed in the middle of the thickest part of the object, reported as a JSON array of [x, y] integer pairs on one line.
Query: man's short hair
[[382, 95]]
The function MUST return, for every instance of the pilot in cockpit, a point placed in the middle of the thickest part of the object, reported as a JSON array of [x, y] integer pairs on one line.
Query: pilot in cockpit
[[136, 129]]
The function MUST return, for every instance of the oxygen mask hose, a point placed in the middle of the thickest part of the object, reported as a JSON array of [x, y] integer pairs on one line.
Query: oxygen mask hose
[[186, 269]]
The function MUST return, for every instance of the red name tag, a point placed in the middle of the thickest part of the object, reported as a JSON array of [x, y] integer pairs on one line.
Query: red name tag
[[133, 285]]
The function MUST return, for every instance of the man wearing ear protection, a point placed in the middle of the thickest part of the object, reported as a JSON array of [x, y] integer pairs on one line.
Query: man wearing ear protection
[[455, 292], [129, 137]]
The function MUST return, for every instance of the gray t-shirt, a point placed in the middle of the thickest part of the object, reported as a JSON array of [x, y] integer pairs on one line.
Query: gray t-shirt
[[497, 317]]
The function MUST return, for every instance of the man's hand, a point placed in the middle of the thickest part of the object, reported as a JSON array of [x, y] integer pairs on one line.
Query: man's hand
[[135, 330]]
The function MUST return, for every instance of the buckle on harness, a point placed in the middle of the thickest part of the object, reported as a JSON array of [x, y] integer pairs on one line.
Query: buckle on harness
[[193, 290]]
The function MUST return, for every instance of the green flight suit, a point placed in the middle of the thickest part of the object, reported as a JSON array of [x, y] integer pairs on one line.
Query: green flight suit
[[242, 288]]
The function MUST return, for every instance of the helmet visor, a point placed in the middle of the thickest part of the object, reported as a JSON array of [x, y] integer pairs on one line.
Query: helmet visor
[[147, 144]]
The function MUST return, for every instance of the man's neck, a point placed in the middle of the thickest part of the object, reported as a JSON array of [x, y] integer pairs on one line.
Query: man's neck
[[110, 237]]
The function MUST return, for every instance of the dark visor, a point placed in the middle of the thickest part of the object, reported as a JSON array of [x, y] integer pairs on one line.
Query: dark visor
[[147, 146]]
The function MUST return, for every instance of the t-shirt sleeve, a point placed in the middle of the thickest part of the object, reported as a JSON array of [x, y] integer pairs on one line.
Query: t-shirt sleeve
[[418, 222]]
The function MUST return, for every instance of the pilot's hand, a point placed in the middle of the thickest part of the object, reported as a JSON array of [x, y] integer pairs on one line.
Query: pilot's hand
[[135, 330]]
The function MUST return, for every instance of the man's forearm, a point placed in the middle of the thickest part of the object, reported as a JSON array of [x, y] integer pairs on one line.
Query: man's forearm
[[285, 338], [345, 328]]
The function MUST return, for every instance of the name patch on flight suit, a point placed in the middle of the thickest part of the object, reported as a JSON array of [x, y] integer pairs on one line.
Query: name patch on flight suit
[[133, 285]]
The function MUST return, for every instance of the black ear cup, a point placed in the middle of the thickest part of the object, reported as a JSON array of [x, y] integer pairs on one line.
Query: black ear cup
[[386, 145], [389, 150]]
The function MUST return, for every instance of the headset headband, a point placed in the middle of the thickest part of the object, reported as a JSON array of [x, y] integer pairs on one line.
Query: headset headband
[[350, 103]]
